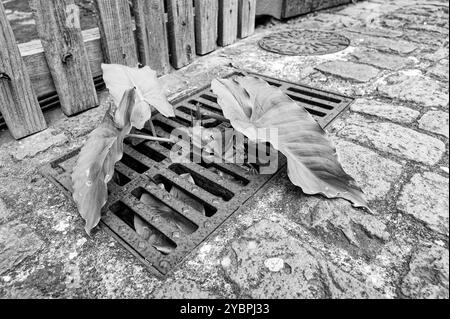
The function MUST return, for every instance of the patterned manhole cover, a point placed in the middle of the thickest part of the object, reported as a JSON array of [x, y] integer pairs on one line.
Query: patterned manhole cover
[[304, 42]]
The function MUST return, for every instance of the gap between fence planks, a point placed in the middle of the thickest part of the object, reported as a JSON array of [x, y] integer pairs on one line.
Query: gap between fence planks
[[206, 24], [116, 29], [151, 33], [228, 22], [18, 102], [181, 27], [246, 18], [57, 23]]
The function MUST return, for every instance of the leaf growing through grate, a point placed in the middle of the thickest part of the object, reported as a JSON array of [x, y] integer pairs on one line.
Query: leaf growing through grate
[[251, 104], [95, 165], [220, 188], [149, 92]]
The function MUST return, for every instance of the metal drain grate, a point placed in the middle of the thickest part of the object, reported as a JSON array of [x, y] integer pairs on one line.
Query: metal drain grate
[[304, 42], [51, 100], [220, 188]]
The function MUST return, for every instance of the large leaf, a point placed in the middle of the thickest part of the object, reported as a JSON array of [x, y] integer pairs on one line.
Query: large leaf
[[95, 164], [251, 104], [150, 234], [167, 213], [156, 239], [188, 200], [149, 92]]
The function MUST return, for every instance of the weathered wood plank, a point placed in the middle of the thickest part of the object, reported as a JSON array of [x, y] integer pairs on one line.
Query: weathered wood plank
[[18, 102], [116, 30], [61, 37], [151, 34], [37, 66], [181, 32], [270, 8], [246, 18], [296, 7], [206, 24], [228, 22], [290, 8]]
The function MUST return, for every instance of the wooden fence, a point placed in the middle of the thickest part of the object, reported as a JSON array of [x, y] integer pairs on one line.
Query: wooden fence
[[164, 34]]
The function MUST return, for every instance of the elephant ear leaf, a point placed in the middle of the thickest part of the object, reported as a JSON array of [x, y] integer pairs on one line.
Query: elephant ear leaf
[[149, 92], [95, 165], [251, 104]]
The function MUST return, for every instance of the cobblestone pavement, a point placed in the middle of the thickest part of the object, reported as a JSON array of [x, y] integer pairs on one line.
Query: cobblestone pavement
[[283, 244]]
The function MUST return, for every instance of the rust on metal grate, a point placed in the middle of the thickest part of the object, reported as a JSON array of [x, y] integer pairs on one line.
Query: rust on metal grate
[[221, 189], [304, 42]]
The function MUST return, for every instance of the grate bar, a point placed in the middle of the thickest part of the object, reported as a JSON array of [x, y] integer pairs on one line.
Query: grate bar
[[193, 108], [311, 102], [149, 215], [208, 103], [197, 192], [175, 204], [212, 176], [126, 171], [185, 117], [143, 248], [145, 162]]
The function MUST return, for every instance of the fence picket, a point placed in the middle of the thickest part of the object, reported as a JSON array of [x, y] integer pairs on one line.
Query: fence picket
[[18, 102], [246, 18], [228, 22], [206, 24], [152, 34], [57, 23], [181, 32], [116, 30]]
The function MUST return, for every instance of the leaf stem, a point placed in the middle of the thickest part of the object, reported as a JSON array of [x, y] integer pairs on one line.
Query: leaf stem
[[152, 127], [150, 138], [216, 117]]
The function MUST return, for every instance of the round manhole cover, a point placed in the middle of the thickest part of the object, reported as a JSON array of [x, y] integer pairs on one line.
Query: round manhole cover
[[304, 42]]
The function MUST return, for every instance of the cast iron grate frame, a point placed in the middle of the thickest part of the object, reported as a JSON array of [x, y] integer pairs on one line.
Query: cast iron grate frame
[[158, 167]]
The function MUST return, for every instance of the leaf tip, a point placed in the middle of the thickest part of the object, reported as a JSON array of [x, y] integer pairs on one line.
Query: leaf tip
[[88, 231]]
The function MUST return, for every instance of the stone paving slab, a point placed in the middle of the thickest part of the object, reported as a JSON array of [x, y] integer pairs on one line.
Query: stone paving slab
[[282, 243], [413, 86], [394, 139], [387, 110], [303, 272], [427, 262], [440, 70], [18, 242], [382, 60], [372, 172], [349, 70], [436, 122], [4, 211], [426, 198], [37, 143], [376, 31], [392, 46]]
